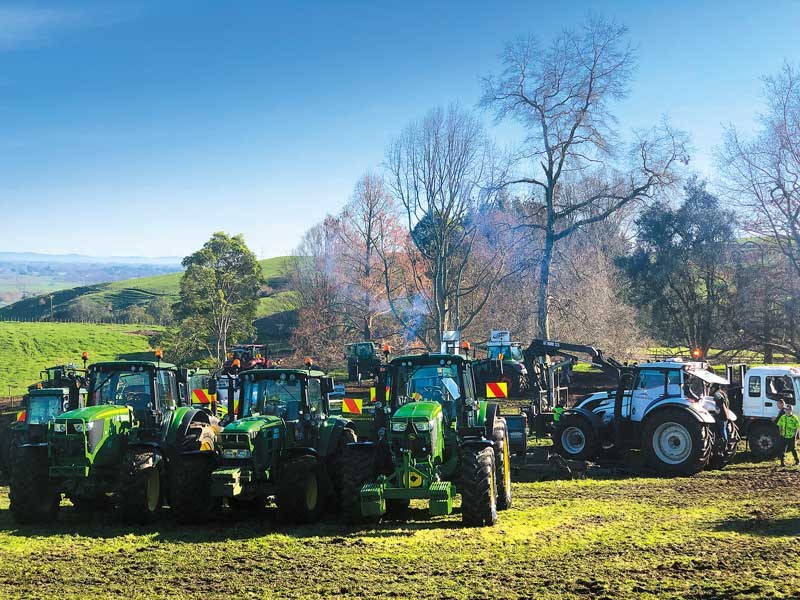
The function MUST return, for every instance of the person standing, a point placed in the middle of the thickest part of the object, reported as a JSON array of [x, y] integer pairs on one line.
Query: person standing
[[788, 424]]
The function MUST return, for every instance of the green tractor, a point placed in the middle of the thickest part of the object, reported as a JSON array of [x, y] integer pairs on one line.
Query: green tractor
[[136, 446], [436, 438], [283, 444], [363, 361]]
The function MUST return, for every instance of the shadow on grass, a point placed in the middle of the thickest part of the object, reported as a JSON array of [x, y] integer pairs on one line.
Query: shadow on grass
[[759, 526], [226, 526]]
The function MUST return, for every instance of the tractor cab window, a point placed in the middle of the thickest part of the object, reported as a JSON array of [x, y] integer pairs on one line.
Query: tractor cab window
[[314, 396], [674, 383], [508, 352], [165, 384], [42, 409], [780, 388], [124, 388], [434, 383], [277, 397], [651, 381], [364, 350]]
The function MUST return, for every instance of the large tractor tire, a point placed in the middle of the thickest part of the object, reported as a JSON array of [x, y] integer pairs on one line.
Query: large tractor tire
[[477, 486], [502, 463], [10, 440], [190, 487], [765, 440], [723, 453], [675, 443], [336, 463], [300, 495], [88, 505], [575, 438], [33, 497], [358, 468], [139, 496]]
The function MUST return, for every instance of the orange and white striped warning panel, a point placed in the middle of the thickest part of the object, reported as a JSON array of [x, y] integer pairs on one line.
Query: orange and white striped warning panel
[[352, 406], [497, 389]]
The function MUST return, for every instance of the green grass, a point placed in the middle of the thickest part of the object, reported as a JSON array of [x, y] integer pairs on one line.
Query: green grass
[[27, 348], [730, 534]]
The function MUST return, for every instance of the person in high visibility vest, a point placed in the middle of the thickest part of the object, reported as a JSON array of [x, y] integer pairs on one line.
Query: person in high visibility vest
[[557, 412], [788, 424]]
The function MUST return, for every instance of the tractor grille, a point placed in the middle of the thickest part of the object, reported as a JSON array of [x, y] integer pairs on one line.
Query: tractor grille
[[235, 440], [68, 446]]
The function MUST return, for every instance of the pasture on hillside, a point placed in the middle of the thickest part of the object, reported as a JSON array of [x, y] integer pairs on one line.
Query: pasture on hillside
[[27, 348], [723, 534]]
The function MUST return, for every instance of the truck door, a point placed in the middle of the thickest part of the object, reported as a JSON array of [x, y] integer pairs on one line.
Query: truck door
[[753, 400]]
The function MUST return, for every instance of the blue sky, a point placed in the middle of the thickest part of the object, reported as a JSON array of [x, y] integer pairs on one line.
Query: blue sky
[[140, 128]]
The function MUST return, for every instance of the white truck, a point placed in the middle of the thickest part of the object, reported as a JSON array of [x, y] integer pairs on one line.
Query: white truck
[[757, 405]]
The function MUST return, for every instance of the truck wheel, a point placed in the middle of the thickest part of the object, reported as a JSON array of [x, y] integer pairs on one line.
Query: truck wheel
[[575, 438], [190, 487], [723, 456], [32, 494], [336, 463], [477, 487], [358, 468], [139, 495], [502, 463], [675, 443], [765, 441], [300, 498]]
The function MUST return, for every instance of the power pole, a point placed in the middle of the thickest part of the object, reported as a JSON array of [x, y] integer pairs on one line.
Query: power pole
[[51, 308]]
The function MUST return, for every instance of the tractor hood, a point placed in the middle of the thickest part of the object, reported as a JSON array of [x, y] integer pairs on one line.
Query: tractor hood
[[93, 413], [418, 411], [250, 424]]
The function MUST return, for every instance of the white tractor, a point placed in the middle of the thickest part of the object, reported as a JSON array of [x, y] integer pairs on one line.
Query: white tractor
[[662, 408]]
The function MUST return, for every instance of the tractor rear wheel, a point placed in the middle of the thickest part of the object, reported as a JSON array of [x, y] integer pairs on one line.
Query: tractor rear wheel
[[575, 438], [336, 463], [139, 496], [358, 468], [502, 463], [33, 496], [477, 486], [765, 441], [190, 487], [300, 496], [724, 452], [675, 443]]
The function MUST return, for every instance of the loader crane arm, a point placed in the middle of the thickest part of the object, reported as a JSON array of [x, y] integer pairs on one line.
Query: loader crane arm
[[540, 348]]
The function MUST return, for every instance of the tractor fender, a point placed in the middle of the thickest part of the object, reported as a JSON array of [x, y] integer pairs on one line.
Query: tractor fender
[[154, 458], [594, 419], [183, 417], [330, 434], [657, 406], [477, 443]]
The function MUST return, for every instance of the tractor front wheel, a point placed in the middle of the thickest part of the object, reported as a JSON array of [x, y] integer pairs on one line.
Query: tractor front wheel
[[477, 487], [575, 438], [502, 463], [190, 487], [139, 495], [336, 463], [33, 498], [300, 496], [358, 467], [675, 443]]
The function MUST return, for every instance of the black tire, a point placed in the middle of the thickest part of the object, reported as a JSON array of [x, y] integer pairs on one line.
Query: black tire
[[300, 496], [723, 455], [190, 495], [336, 464], [89, 505], [575, 438], [502, 463], [358, 468], [11, 438], [477, 487], [524, 385], [675, 443], [34, 499], [764, 440], [139, 496]]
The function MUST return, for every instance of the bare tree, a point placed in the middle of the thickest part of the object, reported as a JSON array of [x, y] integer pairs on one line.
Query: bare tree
[[572, 163], [763, 174], [438, 168]]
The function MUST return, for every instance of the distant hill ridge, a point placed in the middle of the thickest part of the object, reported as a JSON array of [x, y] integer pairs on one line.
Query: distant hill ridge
[[173, 261]]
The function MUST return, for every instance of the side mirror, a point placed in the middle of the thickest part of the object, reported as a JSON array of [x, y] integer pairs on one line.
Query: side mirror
[[181, 393], [328, 385], [212, 386]]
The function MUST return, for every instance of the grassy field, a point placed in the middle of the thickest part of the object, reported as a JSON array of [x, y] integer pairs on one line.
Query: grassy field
[[27, 348], [729, 534]]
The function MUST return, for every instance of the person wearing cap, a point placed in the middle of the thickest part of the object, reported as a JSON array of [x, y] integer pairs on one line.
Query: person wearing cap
[[788, 424]]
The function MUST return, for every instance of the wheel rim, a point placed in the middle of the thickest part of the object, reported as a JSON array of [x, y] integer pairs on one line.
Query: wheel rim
[[672, 443], [764, 442], [573, 440], [153, 490], [312, 493]]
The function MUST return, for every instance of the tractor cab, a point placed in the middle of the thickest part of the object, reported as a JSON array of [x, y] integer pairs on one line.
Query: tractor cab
[[285, 393], [363, 361]]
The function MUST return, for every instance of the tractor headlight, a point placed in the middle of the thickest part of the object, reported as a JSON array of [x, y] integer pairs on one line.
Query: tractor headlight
[[60, 427], [84, 428], [235, 453], [398, 426], [423, 426]]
